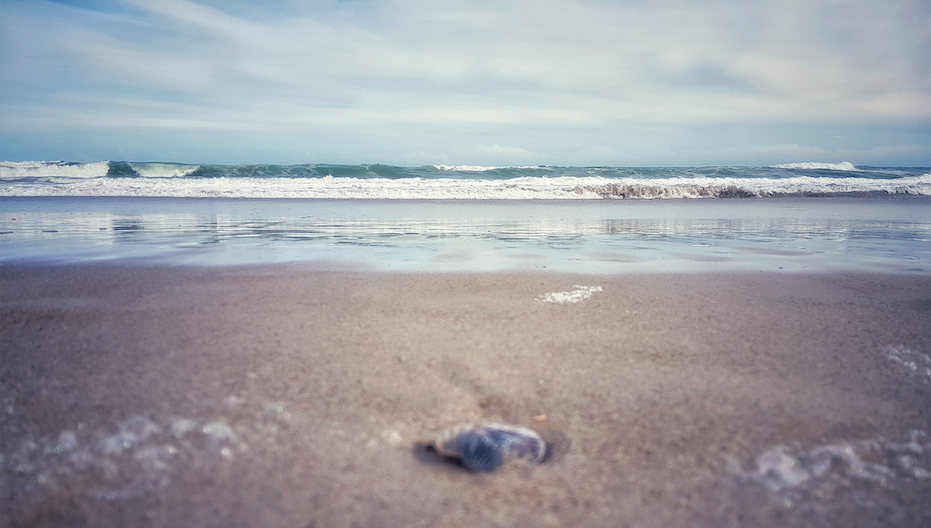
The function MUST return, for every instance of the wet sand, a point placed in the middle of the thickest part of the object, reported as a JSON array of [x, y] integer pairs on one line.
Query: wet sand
[[289, 396]]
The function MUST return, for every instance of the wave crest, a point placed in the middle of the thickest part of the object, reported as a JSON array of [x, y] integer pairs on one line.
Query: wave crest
[[464, 168], [815, 165], [639, 190], [52, 169], [163, 170]]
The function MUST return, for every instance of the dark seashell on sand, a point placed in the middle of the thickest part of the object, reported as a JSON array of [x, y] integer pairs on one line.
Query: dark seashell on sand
[[485, 447]]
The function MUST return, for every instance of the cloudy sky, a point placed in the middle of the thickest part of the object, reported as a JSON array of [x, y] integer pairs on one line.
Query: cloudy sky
[[412, 82]]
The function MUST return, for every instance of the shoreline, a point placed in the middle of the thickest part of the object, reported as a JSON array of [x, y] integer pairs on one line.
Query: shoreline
[[283, 395], [597, 237]]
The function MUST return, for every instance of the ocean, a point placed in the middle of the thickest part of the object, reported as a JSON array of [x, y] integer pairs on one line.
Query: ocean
[[788, 217], [453, 182]]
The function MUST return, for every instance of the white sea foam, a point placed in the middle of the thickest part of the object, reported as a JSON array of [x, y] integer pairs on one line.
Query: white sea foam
[[51, 169], [876, 461], [842, 166], [577, 295], [182, 426], [140, 426], [522, 188], [143, 455], [464, 168], [117, 443], [915, 363], [778, 468], [163, 170], [219, 434], [482, 168], [67, 442]]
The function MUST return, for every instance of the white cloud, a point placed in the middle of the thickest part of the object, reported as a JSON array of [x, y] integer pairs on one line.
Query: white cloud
[[516, 72], [503, 152], [600, 150]]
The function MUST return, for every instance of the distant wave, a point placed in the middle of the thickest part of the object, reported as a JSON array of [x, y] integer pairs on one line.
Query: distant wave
[[481, 168], [464, 168], [47, 169], [814, 165], [454, 182]]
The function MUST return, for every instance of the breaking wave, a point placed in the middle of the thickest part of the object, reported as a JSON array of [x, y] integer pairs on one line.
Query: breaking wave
[[451, 182], [464, 168], [814, 165], [163, 170], [47, 169]]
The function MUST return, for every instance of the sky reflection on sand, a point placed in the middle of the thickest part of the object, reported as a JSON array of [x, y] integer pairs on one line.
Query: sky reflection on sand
[[594, 236]]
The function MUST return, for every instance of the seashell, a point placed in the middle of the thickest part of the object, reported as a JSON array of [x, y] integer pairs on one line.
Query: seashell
[[485, 447]]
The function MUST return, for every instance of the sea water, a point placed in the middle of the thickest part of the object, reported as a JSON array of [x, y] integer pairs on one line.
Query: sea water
[[789, 217]]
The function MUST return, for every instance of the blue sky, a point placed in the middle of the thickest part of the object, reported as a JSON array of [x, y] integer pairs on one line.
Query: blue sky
[[412, 82]]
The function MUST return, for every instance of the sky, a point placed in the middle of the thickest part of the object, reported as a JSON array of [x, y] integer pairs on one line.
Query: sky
[[502, 82]]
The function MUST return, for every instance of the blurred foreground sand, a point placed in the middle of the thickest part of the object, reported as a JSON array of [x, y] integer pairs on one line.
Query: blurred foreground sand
[[284, 396]]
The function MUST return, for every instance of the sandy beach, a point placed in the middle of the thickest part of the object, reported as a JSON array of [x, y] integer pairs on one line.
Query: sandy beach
[[256, 258], [283, 395]]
